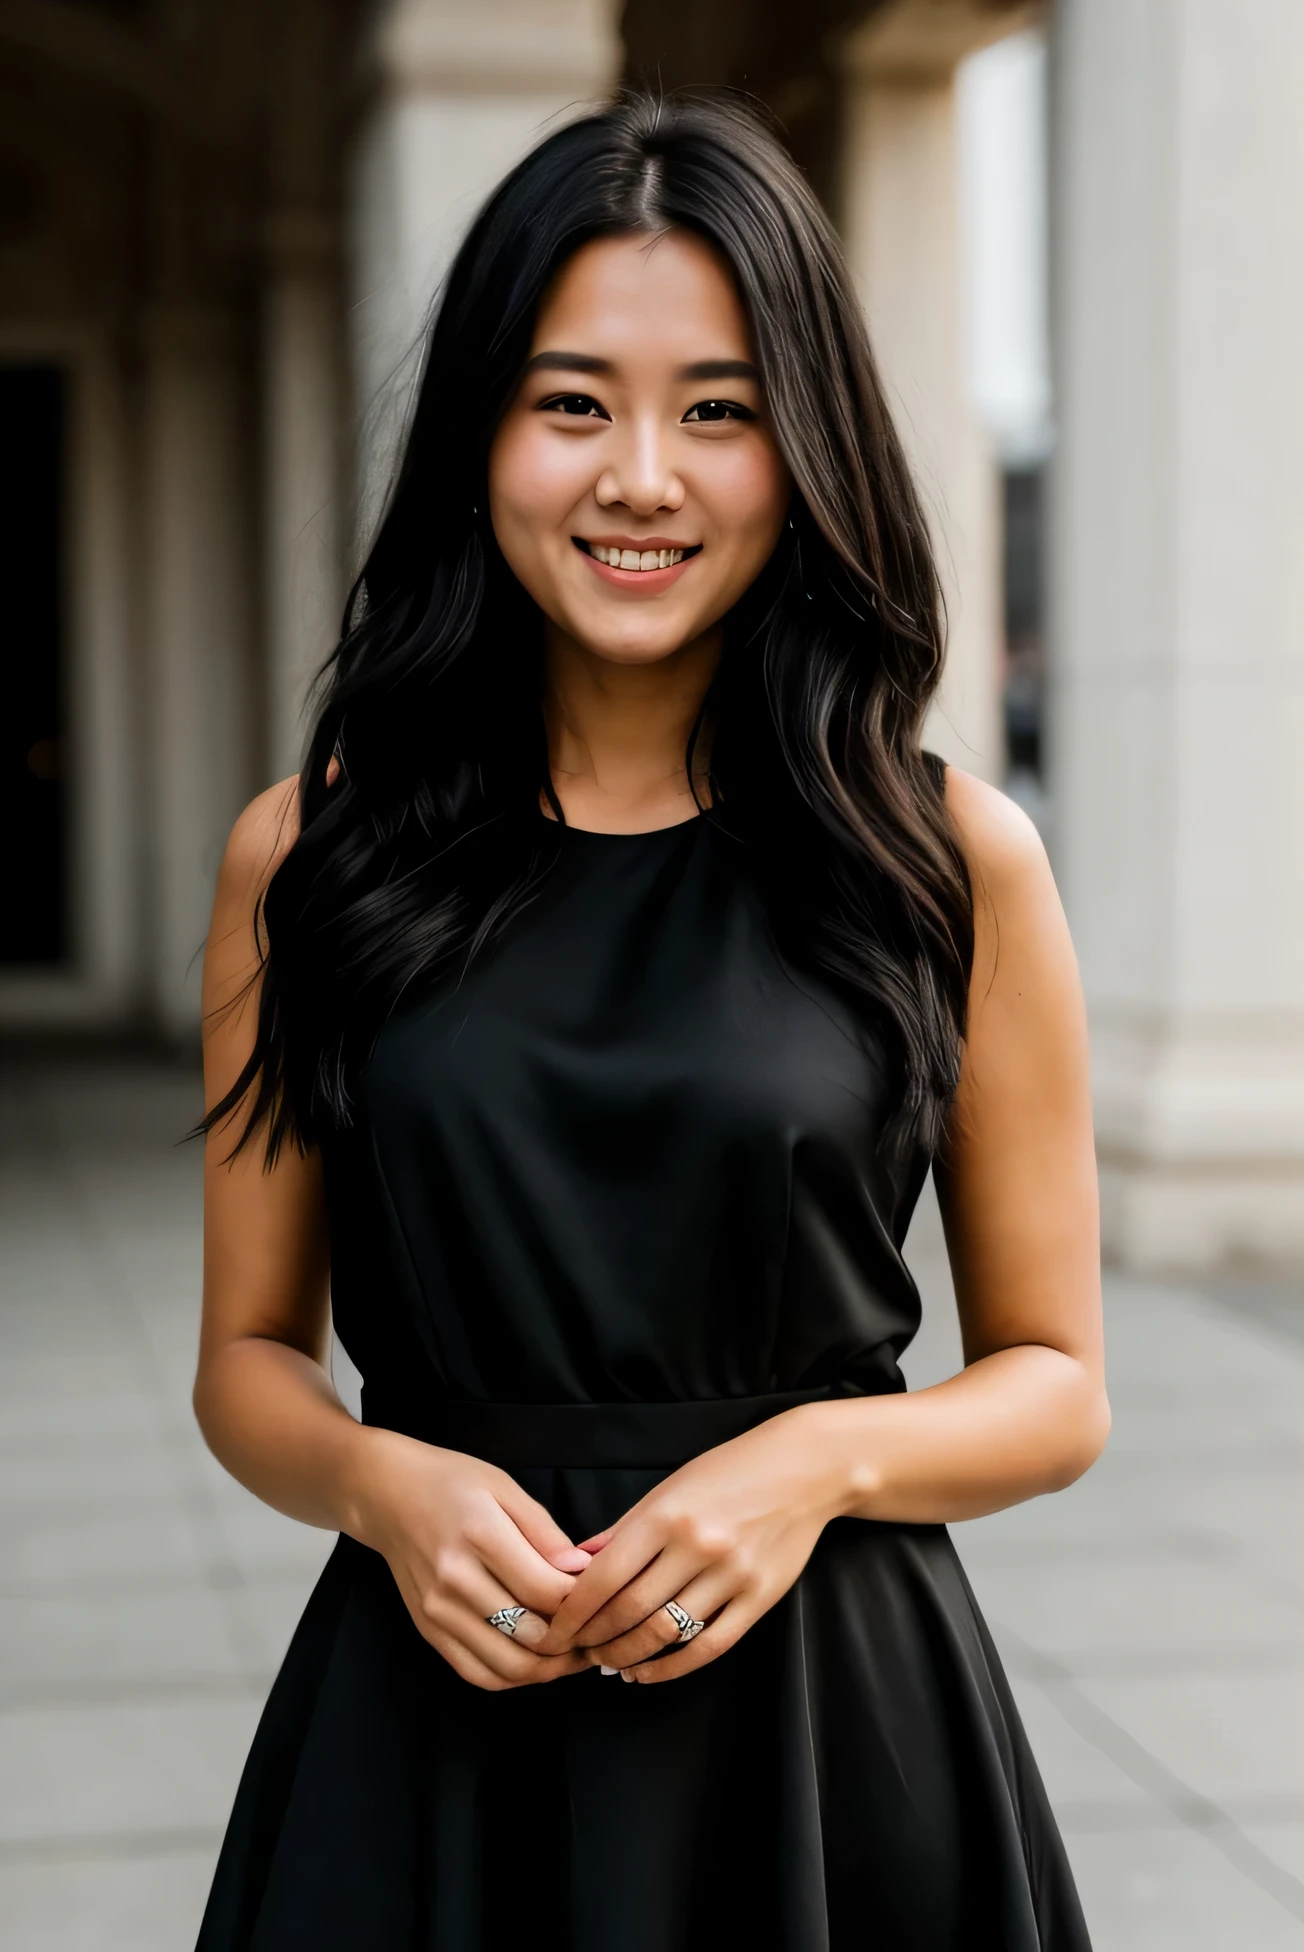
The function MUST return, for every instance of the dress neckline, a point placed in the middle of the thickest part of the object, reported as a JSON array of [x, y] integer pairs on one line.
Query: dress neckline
[[639, 833]]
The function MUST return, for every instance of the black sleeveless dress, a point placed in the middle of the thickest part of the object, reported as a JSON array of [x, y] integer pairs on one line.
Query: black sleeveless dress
[[614, 1199]]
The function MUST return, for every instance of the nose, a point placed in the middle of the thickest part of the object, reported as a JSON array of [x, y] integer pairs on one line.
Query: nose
[[639, 474]]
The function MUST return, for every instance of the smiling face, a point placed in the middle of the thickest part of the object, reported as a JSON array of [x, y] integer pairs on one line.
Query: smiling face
[[634, 483]]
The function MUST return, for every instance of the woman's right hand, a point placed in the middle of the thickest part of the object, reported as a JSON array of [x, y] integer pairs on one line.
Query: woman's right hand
[[462, 1540]]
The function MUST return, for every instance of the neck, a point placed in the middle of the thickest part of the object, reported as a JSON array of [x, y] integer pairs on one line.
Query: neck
[[617, 733]]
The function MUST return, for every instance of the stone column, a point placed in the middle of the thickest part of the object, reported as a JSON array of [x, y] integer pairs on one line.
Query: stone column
[[1178, 611], [303, 409], [304, 515], [900, 222], [197, 623], [458, 94]]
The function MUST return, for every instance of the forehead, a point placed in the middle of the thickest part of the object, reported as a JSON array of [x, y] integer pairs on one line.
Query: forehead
[[669, 296]]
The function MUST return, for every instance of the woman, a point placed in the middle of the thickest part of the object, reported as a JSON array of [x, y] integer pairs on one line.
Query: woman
[[590, 1012]]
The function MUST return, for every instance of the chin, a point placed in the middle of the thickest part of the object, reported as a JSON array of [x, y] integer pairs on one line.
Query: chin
[[621, 648]]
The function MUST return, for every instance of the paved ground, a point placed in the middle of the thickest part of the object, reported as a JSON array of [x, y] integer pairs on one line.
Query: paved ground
[[1152, 1617]]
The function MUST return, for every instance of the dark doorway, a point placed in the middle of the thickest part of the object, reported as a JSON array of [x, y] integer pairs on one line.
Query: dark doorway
[[33, 802]]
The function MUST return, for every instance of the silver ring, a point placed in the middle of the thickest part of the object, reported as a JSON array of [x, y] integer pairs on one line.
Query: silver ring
[[689, 1628], [507, 1619]]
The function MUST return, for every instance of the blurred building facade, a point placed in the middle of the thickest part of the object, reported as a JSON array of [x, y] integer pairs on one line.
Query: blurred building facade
[[220, 229]]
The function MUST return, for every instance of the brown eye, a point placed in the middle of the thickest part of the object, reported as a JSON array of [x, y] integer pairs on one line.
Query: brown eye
[[580, 404], [719, 410]]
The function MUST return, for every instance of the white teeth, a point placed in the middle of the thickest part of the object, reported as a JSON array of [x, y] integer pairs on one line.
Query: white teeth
[[640, 559]]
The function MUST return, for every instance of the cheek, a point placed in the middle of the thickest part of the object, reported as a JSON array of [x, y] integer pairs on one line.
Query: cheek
[[534, 481], [747, 494]]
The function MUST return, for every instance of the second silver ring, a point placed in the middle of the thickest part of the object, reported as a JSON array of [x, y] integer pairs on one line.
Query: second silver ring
[[689, 1628]]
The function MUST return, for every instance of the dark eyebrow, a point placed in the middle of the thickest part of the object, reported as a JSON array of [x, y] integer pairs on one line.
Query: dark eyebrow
[[719, 369], [587, 362], [567, 362]]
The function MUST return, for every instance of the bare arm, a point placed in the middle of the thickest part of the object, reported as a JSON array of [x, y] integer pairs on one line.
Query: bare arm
[[461, 1537], [1017, 1185], [263, 1396]]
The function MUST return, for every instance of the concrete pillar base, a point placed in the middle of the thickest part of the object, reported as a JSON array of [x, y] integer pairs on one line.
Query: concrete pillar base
[[1188, 1220], [1201, 1137]]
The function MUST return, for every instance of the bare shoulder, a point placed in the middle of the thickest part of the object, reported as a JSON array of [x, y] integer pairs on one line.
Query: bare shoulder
[[259, 841], [1020, 934], [1003, 849]]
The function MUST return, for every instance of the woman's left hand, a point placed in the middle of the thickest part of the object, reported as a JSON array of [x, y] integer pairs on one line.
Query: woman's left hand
[[724, 1537]]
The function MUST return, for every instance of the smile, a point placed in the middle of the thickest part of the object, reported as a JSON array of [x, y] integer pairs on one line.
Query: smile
[[641, 560]]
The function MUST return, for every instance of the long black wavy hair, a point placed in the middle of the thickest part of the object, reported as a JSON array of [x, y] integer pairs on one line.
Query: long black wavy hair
[[430, 843]]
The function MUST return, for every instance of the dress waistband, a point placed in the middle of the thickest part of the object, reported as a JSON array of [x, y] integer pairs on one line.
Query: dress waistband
[[634, 1436]]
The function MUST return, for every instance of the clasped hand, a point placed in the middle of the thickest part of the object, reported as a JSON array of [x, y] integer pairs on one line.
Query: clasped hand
[[724, 1538]]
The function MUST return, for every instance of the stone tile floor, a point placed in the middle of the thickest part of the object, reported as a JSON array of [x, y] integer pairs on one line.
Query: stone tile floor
[[1152, 1618]]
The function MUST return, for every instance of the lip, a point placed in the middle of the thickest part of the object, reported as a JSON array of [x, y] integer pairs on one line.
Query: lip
[[639, 542], [638, 582]]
